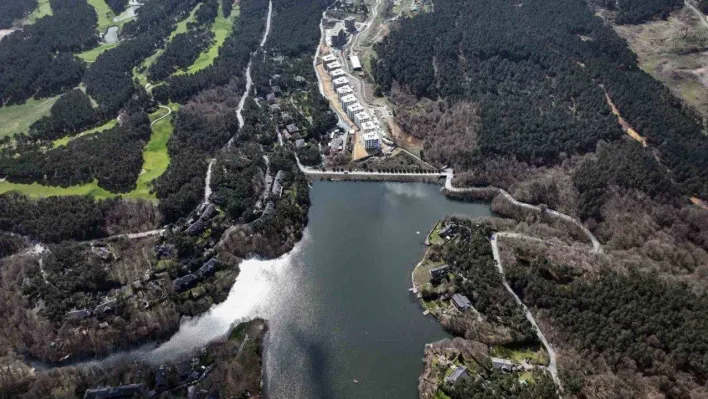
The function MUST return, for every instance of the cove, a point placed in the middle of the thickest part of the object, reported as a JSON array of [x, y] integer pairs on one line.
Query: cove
[[338, 305]]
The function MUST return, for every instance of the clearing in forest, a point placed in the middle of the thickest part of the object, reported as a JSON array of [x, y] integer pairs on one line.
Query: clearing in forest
[[43, 9], [140, 72], [65, 140], [222, 28], [18, 118]]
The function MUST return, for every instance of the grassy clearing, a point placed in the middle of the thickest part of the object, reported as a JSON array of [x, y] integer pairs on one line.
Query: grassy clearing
[[221, 27], [140, 72], [37, 190], [535, 354], [18, 118], [43, 9], [434, 237], [91, 55], [65, 140], [155, 156], [105, 14]]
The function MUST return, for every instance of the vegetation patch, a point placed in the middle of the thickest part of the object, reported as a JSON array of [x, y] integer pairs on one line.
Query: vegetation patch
[[155, 157], [66, 139], [18, 118], [43, 9]]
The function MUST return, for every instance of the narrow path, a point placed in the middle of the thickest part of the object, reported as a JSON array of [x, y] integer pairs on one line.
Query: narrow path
[[552, 364], [169, 111]]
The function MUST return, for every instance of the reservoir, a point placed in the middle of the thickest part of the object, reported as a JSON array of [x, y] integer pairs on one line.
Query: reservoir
[[338, 305]]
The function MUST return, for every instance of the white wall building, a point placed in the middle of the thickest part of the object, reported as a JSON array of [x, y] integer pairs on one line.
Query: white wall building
[[329, 58], [361, 117], [340, 81], [344, 90], [347, 100], [354, 109], [356, 64], [371, 141], [333, 65], [336, 73]]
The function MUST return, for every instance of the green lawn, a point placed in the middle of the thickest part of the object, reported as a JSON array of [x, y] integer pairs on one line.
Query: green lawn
[[18, 118], [536, 355], [105, 14], [43, 9], [155, 157], [65, 140], [221, 27], [91, 55], [434, 237], [37, 190], [155, 163]]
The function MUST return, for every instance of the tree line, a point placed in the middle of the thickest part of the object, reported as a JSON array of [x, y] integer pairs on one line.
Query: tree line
[[534, 74], [638, 11], [38, 60], [12, 10]]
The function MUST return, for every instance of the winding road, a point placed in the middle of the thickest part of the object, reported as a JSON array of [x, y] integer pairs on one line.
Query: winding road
[[698, 13], [169, 112]]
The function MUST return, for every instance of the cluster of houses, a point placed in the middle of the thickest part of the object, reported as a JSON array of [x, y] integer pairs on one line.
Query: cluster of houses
[[185, 282], [273, 189], [369, 126], [188, 372], [205, 212], [105, 308]]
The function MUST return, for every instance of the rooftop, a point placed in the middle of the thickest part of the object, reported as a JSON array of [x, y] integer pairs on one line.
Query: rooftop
[[342, 80], [356, 64], [336, 72], [370, 136], [362, 115], [334, 65], [329, 58], [349, 98], [461, 301]]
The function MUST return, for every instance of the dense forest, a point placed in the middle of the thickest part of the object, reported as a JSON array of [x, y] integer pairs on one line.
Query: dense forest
[[634, 321], [118, 6], [703, 5], [534, 73], [37, 61], [231, 61], [296, 25], [238, 179], [113, 158], [12, 10], [626, 165], [638, 11], [72, 113], [185, 48], [498, 384]]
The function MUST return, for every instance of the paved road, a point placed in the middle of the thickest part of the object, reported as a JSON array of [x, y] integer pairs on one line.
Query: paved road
[[552, 364]]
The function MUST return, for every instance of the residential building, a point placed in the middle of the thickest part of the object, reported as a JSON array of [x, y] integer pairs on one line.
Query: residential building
[[348, 99], [337, 36], [292, 128], [440, 271], [299, 143], [124, 391], [461, 302], [371, 141], [459, 374], [270, 97], [340, 81], [337, 73], [353, 109], [503, 364], [336, 144], [333, 65], [277, 189], [344, 90], [369, 127], [361, 117], [78, 314], [326, 59]]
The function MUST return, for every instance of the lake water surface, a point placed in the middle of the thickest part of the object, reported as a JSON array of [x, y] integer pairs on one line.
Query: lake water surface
[[337, 305]]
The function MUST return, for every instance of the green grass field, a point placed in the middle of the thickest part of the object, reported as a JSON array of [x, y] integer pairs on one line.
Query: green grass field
[[91, 55], [36, 190], [43, 9], [221, 27], [155, 157], [65, 140], [155, 162], [105, 14], [18, 118]]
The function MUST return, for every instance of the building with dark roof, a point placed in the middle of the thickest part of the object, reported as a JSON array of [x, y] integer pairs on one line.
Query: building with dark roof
[[503, 364], [292, 128], [461, 302], [185, 282], [440, 271], [124, 391], [459, 374]]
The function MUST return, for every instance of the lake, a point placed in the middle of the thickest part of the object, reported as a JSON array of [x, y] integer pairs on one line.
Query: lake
[[338, 305]]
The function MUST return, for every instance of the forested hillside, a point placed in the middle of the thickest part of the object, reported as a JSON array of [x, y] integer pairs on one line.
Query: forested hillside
[[38, 61], [11, 10], [633, 323], [534, 72], [638, 11]]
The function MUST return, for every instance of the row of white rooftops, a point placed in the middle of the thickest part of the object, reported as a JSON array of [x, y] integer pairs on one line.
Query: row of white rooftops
[[351, 103]]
